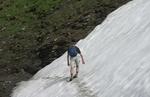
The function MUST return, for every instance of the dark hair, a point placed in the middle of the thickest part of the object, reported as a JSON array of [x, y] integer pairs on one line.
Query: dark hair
[[72, 44]]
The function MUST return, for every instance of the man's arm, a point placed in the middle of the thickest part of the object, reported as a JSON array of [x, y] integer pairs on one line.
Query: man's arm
[[82, 59], [79, 52]]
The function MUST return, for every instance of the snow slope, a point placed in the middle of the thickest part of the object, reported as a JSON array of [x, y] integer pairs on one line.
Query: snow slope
[[117, 56]]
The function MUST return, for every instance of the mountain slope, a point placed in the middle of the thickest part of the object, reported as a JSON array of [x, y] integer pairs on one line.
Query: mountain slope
[[32, 33], [117, 59]]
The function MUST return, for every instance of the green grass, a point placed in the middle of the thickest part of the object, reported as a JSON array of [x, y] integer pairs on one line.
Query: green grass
[[19, 14], [20, 26]]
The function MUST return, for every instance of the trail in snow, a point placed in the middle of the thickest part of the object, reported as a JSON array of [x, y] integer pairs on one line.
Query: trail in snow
[[83, 90]]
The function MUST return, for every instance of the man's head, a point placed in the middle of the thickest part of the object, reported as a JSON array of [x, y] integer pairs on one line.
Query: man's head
[[72, 44]]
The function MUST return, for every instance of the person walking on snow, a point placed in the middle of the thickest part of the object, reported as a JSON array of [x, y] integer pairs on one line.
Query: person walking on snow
[[73, 52]]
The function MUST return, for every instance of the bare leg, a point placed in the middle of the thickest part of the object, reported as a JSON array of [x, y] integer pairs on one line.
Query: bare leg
[[71, 72], [77, 69]]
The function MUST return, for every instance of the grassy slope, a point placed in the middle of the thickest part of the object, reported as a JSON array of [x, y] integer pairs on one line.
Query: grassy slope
[[20, 28]]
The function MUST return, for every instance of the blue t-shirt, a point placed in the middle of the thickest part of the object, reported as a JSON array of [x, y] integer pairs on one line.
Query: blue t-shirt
[[73, 51]]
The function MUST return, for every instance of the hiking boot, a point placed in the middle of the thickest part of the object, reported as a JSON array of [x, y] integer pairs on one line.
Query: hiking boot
[[75, 76], [70, 79]]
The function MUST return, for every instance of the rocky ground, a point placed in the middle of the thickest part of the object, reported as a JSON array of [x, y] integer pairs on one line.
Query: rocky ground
[[34, 33]]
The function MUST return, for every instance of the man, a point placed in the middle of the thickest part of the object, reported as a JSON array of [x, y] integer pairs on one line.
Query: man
[[73, 52]]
